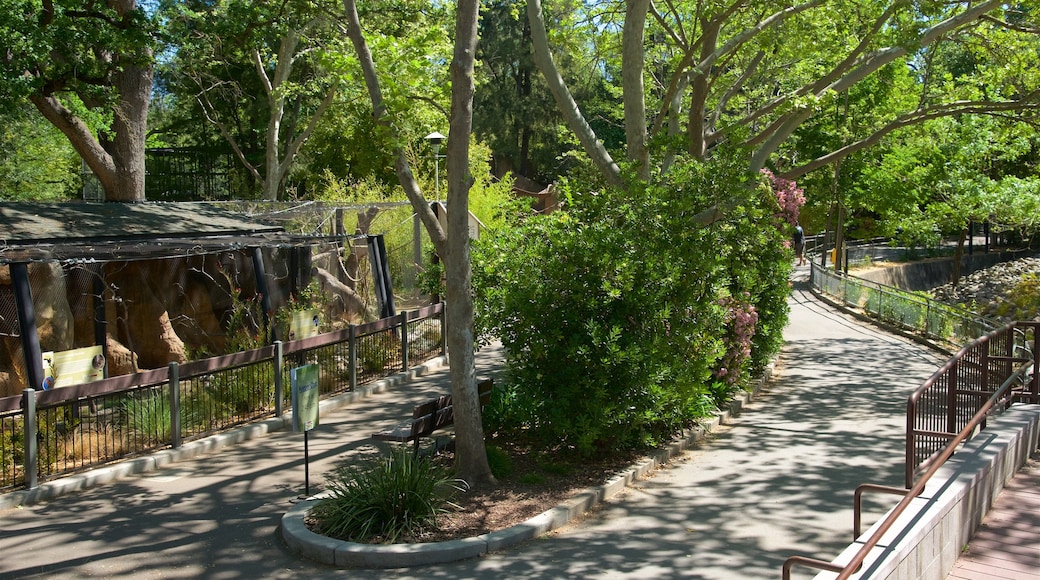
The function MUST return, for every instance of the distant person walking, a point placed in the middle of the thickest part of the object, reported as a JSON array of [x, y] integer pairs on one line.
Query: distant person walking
[[799, 244]]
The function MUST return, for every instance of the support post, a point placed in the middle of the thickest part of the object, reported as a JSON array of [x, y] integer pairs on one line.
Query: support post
[[951, 399], [260, 274], [100, 320], [352, 356], [23, 303], [404, 341], [279, 384], [29, 437], [444, 329], [174, 381]]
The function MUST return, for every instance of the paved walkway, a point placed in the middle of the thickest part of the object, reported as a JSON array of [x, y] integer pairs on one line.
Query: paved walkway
[[777, 481]]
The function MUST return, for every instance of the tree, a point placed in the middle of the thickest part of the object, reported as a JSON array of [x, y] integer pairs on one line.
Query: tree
[[513, 111], [39, 164], [85, 66], [937, 178], [753, 73], [230, 50], [453, 245]]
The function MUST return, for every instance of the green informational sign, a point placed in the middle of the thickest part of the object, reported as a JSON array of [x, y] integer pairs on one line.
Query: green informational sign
[[304, 397]]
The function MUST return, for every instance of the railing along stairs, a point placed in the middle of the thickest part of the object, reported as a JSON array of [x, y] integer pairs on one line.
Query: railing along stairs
[[983, 378]]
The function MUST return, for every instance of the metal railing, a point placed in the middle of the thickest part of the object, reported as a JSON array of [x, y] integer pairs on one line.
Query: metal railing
[[929, 318], [48, 434], [946, 402], [974, 384]]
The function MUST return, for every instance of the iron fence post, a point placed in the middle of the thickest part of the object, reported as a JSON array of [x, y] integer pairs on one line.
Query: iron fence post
[[444, 329], [928, 317], [174, 381], [279, 384], [352, 356], [910, 458], [29, 442], [985, 372], [951, 399], [404, 341], [1036, 360]]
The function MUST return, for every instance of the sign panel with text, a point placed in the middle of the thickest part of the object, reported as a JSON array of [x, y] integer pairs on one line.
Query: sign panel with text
[[305, 393]]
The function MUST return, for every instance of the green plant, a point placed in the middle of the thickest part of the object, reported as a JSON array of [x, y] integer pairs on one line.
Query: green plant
[[1022, 302], [500, 462], [400, 494], [611, 309], [147, 415], [377, 350]]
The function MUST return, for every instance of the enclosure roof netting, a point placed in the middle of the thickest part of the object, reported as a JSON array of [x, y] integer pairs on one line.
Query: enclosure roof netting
[[126, 231]]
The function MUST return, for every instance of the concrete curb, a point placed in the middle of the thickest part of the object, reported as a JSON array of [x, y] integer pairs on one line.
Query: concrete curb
[[154, 461], [303, 542]]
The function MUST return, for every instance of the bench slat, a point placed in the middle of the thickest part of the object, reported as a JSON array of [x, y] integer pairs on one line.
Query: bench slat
[[430, 416]]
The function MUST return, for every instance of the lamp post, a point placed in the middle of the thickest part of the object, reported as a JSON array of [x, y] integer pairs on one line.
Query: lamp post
[[435, 140]]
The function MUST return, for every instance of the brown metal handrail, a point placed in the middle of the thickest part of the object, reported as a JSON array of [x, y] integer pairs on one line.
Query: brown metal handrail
[[846, 570], [939, 408]]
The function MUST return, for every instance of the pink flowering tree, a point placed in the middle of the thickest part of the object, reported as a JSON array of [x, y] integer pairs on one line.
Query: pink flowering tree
[[789, 197]]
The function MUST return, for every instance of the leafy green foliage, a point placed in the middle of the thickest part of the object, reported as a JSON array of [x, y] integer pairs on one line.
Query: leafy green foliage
[[1023, 301], [610, 310], [63, 47], [500, 462], [395, 495], [38, 163]]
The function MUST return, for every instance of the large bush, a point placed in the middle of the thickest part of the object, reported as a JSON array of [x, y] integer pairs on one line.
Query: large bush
[[617, 312]]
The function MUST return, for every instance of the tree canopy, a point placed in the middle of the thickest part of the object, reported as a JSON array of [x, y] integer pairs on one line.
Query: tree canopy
[[87, 67]]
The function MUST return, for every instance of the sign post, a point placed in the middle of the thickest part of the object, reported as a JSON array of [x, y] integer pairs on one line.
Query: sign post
[[305, 411]]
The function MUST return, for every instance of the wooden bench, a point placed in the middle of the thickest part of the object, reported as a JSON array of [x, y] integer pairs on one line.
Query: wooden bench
[[430, 416]]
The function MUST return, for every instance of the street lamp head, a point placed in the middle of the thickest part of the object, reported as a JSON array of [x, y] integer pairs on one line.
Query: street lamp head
[[435, 140]]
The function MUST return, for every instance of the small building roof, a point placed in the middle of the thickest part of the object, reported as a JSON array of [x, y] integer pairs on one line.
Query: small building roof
[[127, 231]]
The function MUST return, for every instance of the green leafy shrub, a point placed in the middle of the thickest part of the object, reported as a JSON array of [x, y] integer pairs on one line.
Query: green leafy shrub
[[499, 461], [397, 495], [610, 310], [1022, 302]]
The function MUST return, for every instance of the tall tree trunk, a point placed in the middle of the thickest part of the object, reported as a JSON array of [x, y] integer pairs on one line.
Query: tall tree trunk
[[633, 60], [471, 458], [118, 162], [472, 463], [696, 130]]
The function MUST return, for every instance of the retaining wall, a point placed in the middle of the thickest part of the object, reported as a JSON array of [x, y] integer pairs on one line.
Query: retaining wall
[[929, 274]]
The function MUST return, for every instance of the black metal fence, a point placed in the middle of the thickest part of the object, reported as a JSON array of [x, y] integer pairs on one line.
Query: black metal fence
[[48, 434]]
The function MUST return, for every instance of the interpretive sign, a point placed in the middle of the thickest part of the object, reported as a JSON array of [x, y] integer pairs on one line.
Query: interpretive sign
[[73, 367], [304, 397]]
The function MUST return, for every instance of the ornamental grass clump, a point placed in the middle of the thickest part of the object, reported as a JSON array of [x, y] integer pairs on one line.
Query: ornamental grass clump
[[391, 497]]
